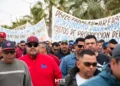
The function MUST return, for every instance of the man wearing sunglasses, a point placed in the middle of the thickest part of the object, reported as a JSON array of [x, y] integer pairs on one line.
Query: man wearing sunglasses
[[55, 48], [13, 72], [43, 69], [85, 69], [110, 76], [68, 61]]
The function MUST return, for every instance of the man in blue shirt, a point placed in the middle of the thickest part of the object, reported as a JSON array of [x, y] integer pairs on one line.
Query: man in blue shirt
[[69, 61]]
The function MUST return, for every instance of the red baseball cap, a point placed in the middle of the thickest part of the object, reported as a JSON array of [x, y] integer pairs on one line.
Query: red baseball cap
[[3, 34], [32, 39]]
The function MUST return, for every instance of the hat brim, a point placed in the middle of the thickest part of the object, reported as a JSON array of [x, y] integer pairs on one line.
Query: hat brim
[[64, 43], [2, 36], [116, 57], [8, 49], [32, 42]]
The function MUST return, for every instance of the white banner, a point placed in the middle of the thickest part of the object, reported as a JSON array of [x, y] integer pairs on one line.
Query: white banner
[[38, 30], [68, 27], [28, 25]]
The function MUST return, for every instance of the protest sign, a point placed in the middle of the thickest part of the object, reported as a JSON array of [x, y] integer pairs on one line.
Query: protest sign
[[68, 27], [38, 30]]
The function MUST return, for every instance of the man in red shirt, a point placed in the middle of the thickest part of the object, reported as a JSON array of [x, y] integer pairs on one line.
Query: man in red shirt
[[44, 71], [2, 37], [21, 49]]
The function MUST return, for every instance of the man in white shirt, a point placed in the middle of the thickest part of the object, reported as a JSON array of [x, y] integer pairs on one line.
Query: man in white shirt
[[79, 79], [85, 69]]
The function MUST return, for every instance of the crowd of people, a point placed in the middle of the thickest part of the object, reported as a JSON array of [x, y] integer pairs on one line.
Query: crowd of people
[[83, 62]]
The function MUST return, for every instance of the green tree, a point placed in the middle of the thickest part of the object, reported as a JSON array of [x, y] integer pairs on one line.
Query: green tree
[[6, 26], [64, 5], [112, 7], [87, 9], [18, 23], [37, 13]]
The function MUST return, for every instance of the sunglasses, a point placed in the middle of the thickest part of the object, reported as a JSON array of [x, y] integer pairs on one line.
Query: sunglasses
[[88, 64], [7, 52], [80, 46], [22, 45], [32, 44], [56, 49], [111, 48]]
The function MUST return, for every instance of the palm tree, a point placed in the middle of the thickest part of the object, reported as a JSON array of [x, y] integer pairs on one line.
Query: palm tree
[[6, 26], [50, 4], [18, 22], [87, 9], [37, 12], [28, 18], [64, 5], [112, 7]]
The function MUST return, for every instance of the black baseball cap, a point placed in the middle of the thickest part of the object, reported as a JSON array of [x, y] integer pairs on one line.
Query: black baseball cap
[[8, 45]]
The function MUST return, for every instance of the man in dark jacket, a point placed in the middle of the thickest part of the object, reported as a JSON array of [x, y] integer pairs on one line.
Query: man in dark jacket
[[91, 43], [85, 69], [64, 50], [110, 76]]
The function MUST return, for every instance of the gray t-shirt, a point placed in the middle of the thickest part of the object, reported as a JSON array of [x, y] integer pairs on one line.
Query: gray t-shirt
[[15, 74]]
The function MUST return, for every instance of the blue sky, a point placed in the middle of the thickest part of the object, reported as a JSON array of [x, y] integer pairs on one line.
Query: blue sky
[[12, 9]]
